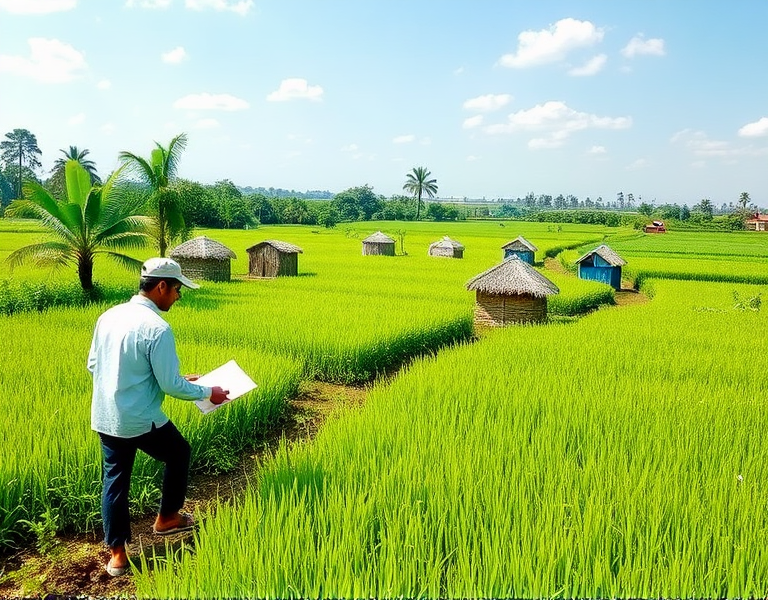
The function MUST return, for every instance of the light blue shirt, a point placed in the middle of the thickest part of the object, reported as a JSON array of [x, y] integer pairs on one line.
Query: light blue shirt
[[134, 364]]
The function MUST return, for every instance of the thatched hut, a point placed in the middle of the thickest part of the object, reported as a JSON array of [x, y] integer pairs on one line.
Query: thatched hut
[[511, 292], [272, 258], [521, 248], [602, 264], [378, 243], [447, 248], [204, 258]]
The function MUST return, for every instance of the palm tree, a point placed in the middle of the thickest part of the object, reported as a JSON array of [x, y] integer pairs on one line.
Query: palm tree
[[418, 183], [56, 183], [20, 149], [94, 220], [158, 174], [79, 155]]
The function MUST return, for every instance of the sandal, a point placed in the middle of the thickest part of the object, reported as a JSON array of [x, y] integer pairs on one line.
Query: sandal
[[187, 524]]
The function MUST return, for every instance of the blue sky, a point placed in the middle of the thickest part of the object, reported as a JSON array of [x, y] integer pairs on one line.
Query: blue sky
[[667, 100]]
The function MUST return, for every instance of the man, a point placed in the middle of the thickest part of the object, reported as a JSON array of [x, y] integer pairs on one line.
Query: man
[[134, 365]]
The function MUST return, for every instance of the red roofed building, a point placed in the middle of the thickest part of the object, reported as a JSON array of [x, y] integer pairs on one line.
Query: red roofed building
[[757, 222]]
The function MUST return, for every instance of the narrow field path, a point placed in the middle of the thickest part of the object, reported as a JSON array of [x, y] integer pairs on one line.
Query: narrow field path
[[75, 565]]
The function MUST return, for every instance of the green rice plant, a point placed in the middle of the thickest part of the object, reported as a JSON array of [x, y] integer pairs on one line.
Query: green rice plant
[[613, 457]]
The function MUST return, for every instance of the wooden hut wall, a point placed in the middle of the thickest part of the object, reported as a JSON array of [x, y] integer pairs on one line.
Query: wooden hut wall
[[376, 248], [458, 253], [268, 261], [499, 310], [206, 269], [444, 252], [524, 255], [607, 275]]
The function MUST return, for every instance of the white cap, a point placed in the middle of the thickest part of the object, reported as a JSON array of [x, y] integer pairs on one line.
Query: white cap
[[166, 267]]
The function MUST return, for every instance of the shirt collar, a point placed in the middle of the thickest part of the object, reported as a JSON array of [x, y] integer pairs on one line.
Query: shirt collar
[[144, 301]]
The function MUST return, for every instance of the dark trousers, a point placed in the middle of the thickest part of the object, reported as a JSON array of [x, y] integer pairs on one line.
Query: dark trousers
[[165, 444]]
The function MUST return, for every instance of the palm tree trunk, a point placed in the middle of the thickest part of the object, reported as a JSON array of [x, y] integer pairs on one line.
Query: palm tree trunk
[[418, 205], [85, 272]]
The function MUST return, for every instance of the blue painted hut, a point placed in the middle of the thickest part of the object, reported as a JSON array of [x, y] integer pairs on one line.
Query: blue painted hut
[[521, 248], [602, 264]]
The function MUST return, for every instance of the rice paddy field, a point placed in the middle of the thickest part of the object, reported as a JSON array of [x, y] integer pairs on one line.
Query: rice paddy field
[[612, 453]]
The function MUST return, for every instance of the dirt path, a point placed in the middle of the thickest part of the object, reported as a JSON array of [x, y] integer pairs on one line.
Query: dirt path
[[75, 566]]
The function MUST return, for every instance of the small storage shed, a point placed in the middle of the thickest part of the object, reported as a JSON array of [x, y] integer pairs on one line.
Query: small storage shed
[[204, 258], [521, 248], [378, 243], [655, 227], [512, 292], [273, 258], [447, 248], [602, 264]]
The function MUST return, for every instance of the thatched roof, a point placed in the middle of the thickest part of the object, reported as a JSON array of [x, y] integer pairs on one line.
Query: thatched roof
[[446, 242], [284, 247], [513, 277], [519, 243], [378, 238], [606, 254], [202, 248]]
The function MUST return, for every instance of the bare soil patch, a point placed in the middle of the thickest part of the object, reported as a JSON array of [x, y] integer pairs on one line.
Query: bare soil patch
[[75, 566]]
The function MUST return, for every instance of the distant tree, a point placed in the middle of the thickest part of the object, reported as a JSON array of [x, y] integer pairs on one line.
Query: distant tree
[[20, 148], [357, 203], [560, 202], [744, 201], [6, 192], [94, 220], [645, 209], [620, 200], [685, 212], [418, 183], [706, 208], [56, 183], [158, 174]]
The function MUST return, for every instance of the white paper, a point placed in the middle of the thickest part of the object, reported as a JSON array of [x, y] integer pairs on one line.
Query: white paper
[[228, 376]]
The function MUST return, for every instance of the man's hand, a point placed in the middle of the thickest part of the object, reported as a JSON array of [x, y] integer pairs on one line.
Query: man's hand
[[218, 395]]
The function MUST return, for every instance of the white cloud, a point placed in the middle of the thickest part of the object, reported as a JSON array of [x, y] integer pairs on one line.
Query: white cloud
[[597, 150], [209, 123], [553, 44], [404, 139], [50, 61], [148, 3], [295, 88], [241, 7], [473, 158], [488, 102], [77, 119], [107, 128], [557, 121], [425, 141], [700, 145], [207, 101], [593, 66], [639, 46], [350, 148], [36, 7], [175, 56], [104, 84], [458, 71], [757, 129], [472, 122], [640, 163]]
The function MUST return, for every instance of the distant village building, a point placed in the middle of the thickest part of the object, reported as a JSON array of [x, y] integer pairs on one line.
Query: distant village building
[[273, 258], [757, 222], [511, 292], [378, 243], [204, 258], [447, 248], [602, 264], [521, 248], [655, 227]]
